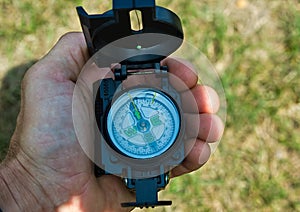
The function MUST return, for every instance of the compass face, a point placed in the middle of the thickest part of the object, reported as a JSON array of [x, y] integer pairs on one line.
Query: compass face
[[143, 123]]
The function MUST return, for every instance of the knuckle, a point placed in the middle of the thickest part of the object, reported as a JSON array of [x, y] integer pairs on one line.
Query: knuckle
[[30, 75], [67, 36]]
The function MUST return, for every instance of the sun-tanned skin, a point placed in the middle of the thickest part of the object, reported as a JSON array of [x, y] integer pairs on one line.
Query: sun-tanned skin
[[46, 169]]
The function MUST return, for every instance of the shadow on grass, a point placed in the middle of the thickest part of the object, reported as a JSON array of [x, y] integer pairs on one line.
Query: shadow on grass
[[10, 93]]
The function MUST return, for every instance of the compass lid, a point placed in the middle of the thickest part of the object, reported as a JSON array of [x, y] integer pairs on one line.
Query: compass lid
[[102, 29]]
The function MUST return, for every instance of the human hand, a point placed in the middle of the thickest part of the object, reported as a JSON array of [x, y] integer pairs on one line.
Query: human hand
[[46, 168]]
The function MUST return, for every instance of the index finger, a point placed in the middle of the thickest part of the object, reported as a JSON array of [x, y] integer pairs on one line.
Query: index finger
[[183, 70], [64, 61]]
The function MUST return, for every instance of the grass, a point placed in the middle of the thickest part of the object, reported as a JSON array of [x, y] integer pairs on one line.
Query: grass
[[254, 46]]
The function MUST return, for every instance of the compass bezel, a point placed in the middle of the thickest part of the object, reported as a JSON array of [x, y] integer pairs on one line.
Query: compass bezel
[[166, 147]]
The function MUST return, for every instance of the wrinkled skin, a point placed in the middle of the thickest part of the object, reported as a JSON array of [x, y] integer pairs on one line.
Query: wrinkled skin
[[45, 158]]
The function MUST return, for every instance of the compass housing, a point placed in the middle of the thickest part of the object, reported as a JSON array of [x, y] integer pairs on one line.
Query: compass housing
[[113, 157]]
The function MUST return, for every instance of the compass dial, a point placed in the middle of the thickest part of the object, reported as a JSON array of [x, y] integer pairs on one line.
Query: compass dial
[[143, 123]]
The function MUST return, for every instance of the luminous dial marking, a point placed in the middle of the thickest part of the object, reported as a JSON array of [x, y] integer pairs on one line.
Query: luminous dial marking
[[143, 123]]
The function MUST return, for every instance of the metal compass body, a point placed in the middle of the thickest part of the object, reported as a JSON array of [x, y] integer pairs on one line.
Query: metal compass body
[[139, 129]]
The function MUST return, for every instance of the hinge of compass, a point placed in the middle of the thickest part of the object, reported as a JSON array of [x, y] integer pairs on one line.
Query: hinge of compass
[[139, 69]]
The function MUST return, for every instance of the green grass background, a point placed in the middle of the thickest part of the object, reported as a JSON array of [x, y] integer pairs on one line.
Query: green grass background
[[255, 47]]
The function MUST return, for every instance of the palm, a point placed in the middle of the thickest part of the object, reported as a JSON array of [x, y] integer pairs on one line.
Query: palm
[[56, 152], [50, 150]]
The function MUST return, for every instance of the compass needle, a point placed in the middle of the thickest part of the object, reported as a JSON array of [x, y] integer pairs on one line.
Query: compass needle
[[153, 98], [136, 113]]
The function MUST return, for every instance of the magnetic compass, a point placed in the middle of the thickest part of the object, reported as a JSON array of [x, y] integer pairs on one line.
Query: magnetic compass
[[143, 123], [140, 128]]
